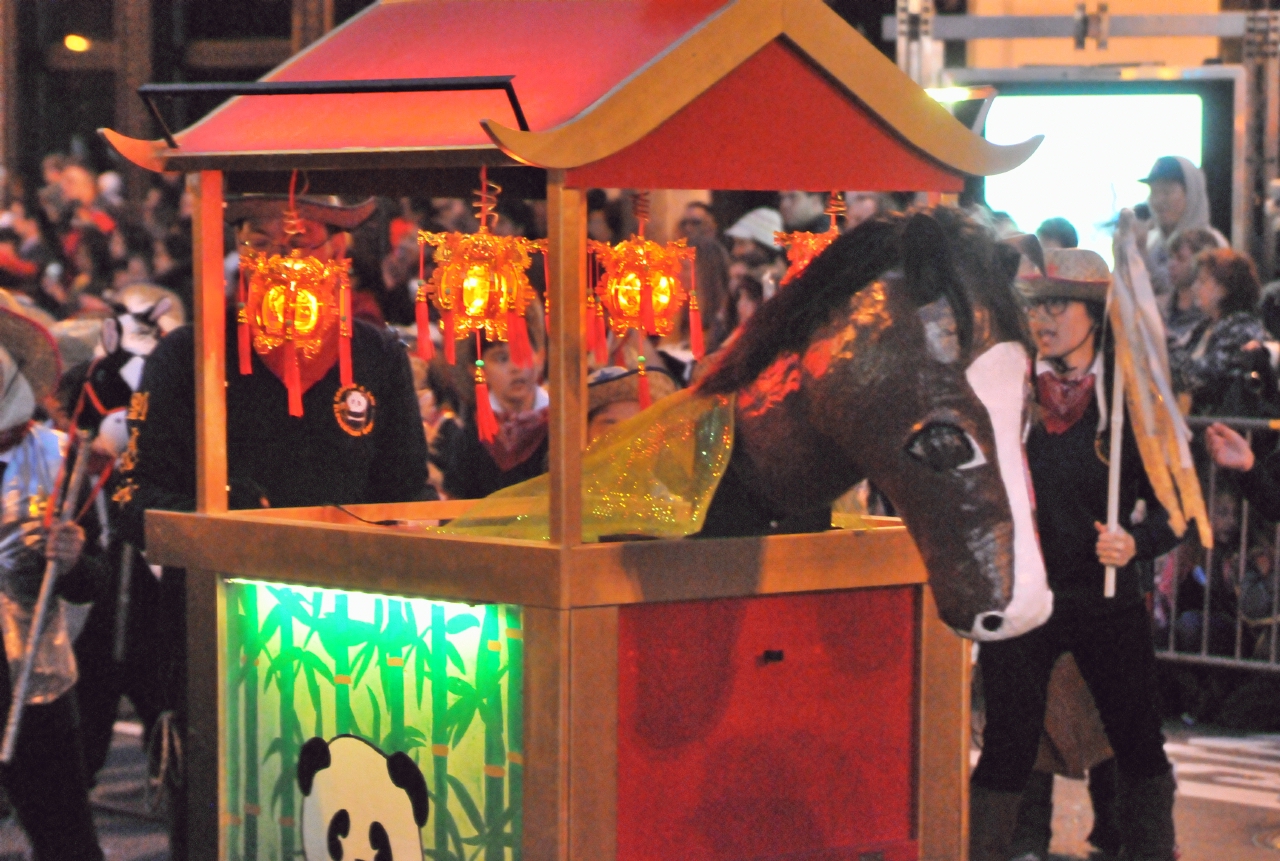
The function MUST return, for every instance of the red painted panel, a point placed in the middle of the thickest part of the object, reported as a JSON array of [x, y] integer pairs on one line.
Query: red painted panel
[[723, 755], [774, 122], [564, 57]]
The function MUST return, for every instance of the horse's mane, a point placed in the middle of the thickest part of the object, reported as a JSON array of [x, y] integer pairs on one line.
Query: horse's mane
[[941, 253]]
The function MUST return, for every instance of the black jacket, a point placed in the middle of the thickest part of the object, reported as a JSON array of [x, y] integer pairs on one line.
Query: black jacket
[[1070, 481], [270, 455]]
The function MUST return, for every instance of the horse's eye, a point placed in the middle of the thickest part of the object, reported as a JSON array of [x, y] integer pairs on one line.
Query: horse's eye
[[944, 447]]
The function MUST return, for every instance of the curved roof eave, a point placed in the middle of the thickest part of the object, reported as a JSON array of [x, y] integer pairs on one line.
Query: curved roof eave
[[672, 80]]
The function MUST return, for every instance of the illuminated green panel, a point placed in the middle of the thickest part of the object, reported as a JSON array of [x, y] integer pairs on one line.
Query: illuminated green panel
[[439, 681]]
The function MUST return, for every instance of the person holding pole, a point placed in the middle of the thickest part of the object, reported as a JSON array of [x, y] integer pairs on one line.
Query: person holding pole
[[41, 561], [1067, 452]]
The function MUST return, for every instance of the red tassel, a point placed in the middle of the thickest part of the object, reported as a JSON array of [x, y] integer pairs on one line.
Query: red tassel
[[518, 340], [486, 421], [344, 335], [242, 327], [449, 336], [602, 336], [646, 309], [422, 315], [645, 396], [696, 345], [293, 379]]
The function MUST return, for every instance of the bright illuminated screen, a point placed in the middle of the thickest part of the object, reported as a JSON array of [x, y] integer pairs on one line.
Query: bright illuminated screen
[[1096, 149]]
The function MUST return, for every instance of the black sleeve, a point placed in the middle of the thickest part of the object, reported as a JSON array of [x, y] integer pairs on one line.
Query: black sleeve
[[159, 466], [400, 472], [1261, 486]]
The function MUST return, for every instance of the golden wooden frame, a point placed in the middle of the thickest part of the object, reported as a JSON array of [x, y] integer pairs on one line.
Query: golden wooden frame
[[571, 591]]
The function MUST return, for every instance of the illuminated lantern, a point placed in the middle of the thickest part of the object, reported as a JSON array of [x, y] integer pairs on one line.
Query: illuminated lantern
[[480, 283], [640, 286], [294, 310], [802, 246]]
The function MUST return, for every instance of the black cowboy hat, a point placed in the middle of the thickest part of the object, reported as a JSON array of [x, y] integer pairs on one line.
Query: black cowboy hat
[[311, 208]]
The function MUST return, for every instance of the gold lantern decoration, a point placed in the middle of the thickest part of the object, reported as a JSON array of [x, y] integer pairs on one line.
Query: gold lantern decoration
[[639, 285], [291, 310], [480, 283], [803, 246]]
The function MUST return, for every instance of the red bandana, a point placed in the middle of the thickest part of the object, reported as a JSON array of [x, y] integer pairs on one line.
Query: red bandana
[[1063, 402], [519, 435]]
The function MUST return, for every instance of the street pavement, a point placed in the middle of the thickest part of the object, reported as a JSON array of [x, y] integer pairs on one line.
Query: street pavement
[[1228, 806]]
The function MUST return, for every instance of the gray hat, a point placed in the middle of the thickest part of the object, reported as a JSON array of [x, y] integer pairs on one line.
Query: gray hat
[[1069, 273]]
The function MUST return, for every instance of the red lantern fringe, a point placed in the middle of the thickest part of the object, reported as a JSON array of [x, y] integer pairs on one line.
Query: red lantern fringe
[[293, 379], [602, 336], [344, 334], [518, 340], [646, 309], [448, 334], [422, 316], [645, 396], [242, 326], [696, 345], [486, 421]]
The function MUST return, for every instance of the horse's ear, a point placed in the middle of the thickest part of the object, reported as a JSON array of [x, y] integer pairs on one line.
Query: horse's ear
[[930, 273], [925, 258], [1026, 245]]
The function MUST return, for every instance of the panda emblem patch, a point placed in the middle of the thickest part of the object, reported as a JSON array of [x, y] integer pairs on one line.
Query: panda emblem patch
[[360, 803], [353, 407]]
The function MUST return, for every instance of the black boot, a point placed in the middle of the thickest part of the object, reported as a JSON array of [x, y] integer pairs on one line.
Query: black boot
[[1146, 817], [1104, 789], [1035, 818], [992, 818]]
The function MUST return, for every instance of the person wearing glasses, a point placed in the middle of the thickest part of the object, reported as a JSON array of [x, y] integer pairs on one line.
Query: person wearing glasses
[[1108, 637]]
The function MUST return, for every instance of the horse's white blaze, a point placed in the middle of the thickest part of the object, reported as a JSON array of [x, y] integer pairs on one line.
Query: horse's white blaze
[[999, 379]]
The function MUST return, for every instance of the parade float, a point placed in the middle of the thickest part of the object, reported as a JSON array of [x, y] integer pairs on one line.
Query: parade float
[[564, 697]]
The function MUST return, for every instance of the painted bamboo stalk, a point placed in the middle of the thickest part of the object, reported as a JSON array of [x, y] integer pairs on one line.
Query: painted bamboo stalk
[[515, 725], [234, 673], [342, 718], [439, 723], [252, 649], [489, 691], [392, 673], [290, 731]]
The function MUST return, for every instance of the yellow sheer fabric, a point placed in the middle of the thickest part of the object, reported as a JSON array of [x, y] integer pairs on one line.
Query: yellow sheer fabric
[[653, 475]]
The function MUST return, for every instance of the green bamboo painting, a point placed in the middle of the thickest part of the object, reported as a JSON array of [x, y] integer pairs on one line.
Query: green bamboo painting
[[438, 681]]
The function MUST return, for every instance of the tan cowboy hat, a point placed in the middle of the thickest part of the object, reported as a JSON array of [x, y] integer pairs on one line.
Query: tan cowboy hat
[[612, 385], [311, 208], [30, 344], [1069, 273]]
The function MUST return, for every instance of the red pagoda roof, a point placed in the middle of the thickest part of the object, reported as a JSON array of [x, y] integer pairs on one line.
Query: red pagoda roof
[[612, 89]]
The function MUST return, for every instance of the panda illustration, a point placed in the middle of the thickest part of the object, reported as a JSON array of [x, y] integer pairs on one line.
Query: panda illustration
[[360, 804]]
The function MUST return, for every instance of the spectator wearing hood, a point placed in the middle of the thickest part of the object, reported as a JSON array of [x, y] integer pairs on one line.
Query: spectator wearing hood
[[1179, 201]]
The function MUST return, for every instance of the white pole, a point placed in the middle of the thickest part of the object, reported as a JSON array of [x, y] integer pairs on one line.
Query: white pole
[[1113, 476]]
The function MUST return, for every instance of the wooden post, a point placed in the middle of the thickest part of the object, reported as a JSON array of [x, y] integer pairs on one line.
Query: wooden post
[[311, 20], [206, 771], [546, 734], [9, 84], [211, 348], [131, 26], [567, 232], [943, 778], [593, 733]]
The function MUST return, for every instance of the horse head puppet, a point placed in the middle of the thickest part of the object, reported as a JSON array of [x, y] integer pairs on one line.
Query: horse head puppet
[[899, 356]]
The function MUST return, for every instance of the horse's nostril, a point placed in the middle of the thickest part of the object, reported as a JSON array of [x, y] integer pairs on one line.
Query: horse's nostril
[[992, 621]]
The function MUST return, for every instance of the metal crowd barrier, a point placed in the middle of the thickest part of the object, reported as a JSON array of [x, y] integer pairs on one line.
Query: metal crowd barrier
[[1255, 642]]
